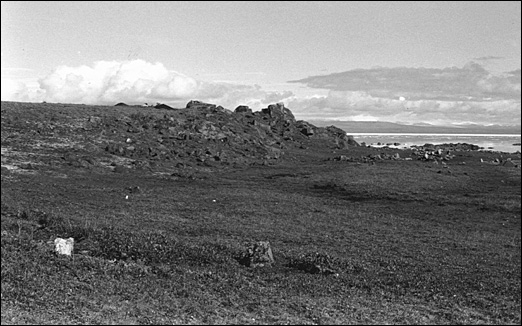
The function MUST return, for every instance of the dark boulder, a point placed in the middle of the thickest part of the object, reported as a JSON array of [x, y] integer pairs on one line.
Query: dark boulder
[[305, 128], [243, 109], [163, 106], [279, 112], [199, 105], [258, 254]]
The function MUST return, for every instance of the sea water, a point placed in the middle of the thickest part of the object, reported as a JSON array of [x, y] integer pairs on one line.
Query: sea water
[[509, 143]]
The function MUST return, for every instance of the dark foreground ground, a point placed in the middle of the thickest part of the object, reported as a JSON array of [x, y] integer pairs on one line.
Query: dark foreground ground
[[408, 241]]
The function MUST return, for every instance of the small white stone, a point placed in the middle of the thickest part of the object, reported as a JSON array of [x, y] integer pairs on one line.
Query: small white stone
[[127, 197], [64, 246]]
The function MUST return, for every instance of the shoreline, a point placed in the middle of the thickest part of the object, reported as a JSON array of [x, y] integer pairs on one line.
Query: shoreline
[[400, 147], [430, 134], [493, 151], [502, 143]]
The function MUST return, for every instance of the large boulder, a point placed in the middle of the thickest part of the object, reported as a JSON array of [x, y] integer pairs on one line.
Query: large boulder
[[243, 109], [258, 254], [278, 112], [163, 106], [305, 128], [199, 105]]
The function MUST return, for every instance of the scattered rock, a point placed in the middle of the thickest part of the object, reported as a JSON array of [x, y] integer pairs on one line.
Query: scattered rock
[[64, 246], [134, 190], [258, 254]]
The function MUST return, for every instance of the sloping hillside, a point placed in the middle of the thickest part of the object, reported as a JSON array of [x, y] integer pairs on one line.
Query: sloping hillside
[[200, 135]]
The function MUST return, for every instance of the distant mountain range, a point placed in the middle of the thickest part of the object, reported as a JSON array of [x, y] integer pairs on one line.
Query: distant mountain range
[[390, 127]]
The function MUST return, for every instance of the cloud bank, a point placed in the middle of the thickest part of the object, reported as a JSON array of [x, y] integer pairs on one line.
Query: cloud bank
[[445, 96], [471, 82], [413, 95], [133, 82]]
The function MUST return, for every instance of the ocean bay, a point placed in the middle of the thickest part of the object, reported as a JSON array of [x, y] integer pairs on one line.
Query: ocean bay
[[494, 142]]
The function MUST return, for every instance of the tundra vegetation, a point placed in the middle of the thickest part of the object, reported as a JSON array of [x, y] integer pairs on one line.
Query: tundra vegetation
[[164, 205]]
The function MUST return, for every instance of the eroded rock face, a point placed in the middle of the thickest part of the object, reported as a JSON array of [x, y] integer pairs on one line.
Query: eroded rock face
[[258, 254]]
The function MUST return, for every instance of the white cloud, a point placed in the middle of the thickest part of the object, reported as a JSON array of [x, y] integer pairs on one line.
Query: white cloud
[[135, 81], [15, 90], [108, 82], [11, 89]]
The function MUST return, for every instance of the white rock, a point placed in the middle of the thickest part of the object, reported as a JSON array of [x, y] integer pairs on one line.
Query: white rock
[[64, 246]]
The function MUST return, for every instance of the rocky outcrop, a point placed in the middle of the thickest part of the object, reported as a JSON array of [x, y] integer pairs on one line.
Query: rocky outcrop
[[207, 134], [202, 135]]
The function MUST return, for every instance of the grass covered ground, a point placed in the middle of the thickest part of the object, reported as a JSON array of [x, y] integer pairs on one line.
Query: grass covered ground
[[410, 242]]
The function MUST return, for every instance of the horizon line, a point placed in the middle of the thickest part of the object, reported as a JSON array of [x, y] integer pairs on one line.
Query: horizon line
[[429, 134]]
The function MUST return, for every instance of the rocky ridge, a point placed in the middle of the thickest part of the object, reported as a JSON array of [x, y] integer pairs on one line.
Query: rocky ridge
[[199, 135], [210, 134]]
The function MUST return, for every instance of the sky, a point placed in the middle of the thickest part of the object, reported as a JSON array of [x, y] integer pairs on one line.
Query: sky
[[436, 62]]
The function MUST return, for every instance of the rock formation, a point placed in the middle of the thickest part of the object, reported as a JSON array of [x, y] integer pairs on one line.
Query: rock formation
[[207, 134]]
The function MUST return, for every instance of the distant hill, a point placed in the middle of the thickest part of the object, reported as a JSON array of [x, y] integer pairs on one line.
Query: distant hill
[[389, 127]]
